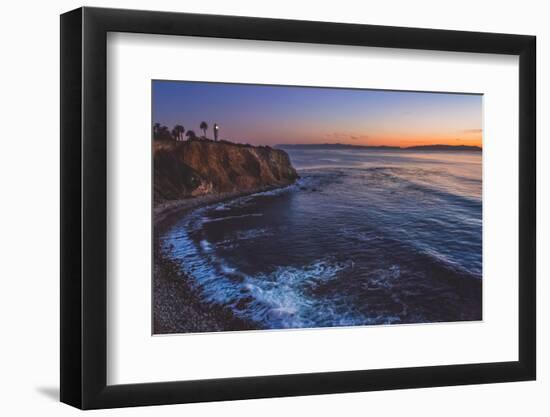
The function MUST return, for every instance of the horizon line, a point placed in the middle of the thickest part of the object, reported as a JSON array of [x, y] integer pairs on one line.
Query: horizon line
[[378, 146]]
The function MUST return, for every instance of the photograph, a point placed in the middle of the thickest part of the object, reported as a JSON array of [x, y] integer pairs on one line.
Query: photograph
[[273, 204], [294, 207]]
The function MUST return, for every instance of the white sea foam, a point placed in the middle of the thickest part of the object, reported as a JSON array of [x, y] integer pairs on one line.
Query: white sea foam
[[284, 296], [206, 246]]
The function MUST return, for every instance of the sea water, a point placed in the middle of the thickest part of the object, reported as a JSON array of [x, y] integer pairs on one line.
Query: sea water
[[364, 237]]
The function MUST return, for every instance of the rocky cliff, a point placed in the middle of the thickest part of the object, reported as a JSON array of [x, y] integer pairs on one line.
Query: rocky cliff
[[200, 167]]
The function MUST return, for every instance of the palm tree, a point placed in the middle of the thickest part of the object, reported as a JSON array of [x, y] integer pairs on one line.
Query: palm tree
[[164, 133], [161, 132], [204, 127], [156, 130], [177, 132], [190, 134]]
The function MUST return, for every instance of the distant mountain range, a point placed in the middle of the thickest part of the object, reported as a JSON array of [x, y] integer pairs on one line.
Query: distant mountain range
[[409, 148]]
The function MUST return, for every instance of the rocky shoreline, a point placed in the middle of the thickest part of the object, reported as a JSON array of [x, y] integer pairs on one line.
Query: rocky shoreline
[[178, 307], [177, 304], [163, 212]]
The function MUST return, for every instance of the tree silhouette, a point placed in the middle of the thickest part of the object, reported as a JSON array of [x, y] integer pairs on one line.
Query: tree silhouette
[[177, 132], [204, 127], [164, 133], [161, 132], [191, 134], [156, 130]]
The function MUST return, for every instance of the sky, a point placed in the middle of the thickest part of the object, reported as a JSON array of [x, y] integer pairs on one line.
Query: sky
[[271, 115]]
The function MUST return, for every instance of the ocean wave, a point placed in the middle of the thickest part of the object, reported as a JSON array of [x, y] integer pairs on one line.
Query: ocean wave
[[206, 245], [283, 298], [207, 219], [280, 299], [424, 182]]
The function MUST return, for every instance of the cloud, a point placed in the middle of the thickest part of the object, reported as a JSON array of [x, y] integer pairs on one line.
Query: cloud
[[472, 131], [345, 136]]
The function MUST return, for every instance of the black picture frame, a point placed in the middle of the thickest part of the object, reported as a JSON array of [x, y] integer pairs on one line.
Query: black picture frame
[[84, 207]]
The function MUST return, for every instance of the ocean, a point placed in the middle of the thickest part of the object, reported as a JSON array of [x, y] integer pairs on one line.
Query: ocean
[[364, 237]]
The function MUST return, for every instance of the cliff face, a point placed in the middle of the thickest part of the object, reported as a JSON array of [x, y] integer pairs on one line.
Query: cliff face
[[199, 167]]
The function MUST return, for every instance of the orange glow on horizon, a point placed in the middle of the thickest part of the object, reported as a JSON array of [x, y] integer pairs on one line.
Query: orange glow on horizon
[[400, 140], [404, 142], [392, 135]]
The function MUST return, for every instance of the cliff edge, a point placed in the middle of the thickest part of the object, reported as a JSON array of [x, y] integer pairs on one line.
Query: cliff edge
[[200, 167]]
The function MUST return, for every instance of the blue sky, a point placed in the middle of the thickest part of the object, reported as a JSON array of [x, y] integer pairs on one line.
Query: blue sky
[[261, 114]]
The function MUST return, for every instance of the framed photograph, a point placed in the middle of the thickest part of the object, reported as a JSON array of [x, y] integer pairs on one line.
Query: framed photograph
[[257, 208]]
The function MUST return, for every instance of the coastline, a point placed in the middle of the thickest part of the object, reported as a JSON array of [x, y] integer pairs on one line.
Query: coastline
[[163, 212], [177, 304], [403, 287]]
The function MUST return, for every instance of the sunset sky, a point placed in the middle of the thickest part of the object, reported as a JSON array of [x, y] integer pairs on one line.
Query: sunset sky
[[270, 115]]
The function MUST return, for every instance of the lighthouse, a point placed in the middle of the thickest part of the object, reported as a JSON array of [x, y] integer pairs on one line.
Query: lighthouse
[[216, 129]]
